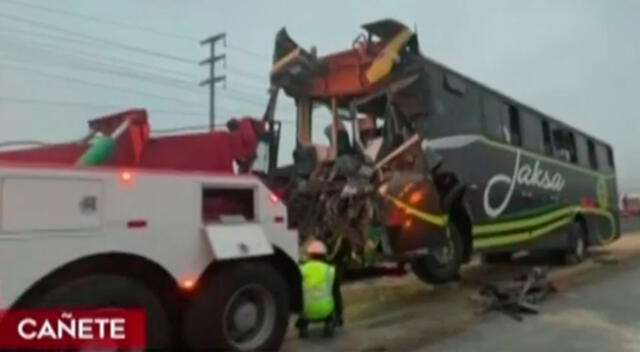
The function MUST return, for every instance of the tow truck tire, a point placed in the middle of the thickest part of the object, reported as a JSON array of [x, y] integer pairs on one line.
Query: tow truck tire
[[112, 291], [428, 269], [239, 307]]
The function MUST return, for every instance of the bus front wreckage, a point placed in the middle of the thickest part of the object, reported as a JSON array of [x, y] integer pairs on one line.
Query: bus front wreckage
[[375, 193]]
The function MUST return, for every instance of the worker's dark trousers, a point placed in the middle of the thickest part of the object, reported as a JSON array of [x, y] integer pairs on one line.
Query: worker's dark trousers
[[337, 294]]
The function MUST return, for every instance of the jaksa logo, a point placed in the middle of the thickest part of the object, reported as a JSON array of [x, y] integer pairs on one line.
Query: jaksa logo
[[522, 175]]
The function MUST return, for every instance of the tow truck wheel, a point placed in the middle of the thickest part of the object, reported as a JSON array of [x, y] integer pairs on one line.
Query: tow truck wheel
[[112, 292], [243, 307], [444, 264]]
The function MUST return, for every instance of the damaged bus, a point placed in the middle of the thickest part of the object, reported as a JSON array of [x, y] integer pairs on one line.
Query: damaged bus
[[425, 166]]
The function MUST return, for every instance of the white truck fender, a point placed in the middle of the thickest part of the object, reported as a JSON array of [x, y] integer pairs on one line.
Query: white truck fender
[[233, 241]]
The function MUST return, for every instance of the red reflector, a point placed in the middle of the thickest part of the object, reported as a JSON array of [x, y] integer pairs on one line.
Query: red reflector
[[589, 203], [137, 224], [278, 219]]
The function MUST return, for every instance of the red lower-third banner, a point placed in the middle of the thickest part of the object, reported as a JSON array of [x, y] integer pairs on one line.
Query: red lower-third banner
[[36, 329]]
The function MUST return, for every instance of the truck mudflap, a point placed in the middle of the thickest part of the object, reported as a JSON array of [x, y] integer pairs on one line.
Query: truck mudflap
[[414, 217], [232, 241]]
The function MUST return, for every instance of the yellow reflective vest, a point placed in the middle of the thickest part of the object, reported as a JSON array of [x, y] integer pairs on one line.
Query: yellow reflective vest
[[317, 284]]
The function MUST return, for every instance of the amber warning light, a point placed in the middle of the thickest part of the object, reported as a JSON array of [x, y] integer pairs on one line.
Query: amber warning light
[[126, 176]]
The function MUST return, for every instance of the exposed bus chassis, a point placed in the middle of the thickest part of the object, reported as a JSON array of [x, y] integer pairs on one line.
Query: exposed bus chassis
[[377, 196]]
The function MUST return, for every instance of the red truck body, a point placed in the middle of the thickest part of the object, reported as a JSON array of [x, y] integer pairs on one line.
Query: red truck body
[[213, 151]]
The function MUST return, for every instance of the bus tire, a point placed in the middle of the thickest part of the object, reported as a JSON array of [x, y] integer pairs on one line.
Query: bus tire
[[112, 291], [577, 250], [239, 307], [497, 258], [433, 271]]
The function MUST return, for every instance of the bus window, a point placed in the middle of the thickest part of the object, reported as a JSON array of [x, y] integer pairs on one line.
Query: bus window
[[564, 145], [582, 146], [610, 162], [493, 118], [532, 132], [604, 157], [593, 162], [514, 126], [546, 137]]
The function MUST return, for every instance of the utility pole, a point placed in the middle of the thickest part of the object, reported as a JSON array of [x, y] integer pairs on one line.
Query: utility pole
[[213, 79]]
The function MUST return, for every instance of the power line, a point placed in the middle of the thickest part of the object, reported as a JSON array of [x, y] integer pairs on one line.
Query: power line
[[79, 66], [246, 73], [32, 101], [66, 39], [233, 94], [240, 72], [86, 17], [186, 81], [101, 85], [249, 52], [99, 40]]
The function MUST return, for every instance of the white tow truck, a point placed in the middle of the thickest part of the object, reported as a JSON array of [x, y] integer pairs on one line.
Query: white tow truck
[[166, 241]]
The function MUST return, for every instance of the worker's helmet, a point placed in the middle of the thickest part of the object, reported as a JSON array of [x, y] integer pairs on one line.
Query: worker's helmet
[[316, 247]]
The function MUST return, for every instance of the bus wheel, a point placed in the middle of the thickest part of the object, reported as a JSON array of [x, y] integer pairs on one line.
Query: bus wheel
[[577, 250], [112, 292], [242, 307], [496, 258], [443, 265]]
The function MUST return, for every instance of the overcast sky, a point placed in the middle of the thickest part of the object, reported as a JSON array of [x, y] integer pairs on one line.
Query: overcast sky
[[575, 60]]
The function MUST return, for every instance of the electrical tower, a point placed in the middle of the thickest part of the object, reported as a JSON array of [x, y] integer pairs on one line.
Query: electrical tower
[[213, 79]]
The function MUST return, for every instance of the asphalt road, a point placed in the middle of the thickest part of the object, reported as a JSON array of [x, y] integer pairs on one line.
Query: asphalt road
[[630, 224], [603, 315]]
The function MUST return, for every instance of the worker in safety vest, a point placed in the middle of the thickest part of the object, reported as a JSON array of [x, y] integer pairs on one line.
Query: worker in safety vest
[[322, 301]]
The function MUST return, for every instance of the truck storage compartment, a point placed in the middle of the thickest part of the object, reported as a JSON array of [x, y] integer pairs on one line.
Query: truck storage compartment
[[227, 204], [50, 204]]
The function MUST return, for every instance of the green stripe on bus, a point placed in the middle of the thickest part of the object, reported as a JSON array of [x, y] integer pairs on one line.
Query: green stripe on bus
[[524, 223], [519, 237]]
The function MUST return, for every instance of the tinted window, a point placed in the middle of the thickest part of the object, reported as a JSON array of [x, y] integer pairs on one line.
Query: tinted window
[[532, 132], [457, 105], [582, 150], [502, 121], [493, 112], [610, 161], [515, 135], [593, 162], [604, 157], [546, 138], [564, 145]]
